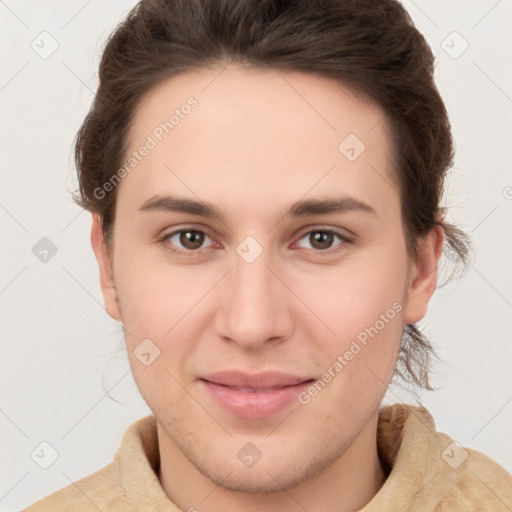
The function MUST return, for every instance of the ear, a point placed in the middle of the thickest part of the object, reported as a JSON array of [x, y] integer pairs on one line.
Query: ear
[[423, 275], [106, 274]]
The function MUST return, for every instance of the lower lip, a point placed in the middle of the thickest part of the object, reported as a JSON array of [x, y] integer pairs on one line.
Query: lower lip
[[258, 404]]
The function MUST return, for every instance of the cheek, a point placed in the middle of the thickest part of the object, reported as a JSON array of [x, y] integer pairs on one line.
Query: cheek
[[165, 304], [354, 295], [365, 311], [157, 307], [362, 303], [156, 295]]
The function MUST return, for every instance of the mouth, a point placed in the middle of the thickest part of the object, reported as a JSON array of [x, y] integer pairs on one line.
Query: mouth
[[268, 380], [253, 396], [258, 390]]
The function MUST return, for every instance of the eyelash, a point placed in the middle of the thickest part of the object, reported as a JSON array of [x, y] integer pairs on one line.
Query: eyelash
[[190, 253]]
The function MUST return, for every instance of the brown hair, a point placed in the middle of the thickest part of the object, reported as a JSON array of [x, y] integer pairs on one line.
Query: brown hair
[[371, 46]]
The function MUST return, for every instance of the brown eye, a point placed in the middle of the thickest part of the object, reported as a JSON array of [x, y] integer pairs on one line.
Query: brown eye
[[185, 240], [321, 239], [191, 239], [324, 240]]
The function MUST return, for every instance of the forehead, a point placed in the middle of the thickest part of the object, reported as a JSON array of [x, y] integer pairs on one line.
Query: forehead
[[259, 101], [255, 131]]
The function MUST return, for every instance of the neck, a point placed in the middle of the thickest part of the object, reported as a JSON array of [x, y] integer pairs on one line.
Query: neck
[[347, 485]]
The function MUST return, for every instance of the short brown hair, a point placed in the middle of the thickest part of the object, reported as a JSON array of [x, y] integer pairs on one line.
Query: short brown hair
[[371, 46]]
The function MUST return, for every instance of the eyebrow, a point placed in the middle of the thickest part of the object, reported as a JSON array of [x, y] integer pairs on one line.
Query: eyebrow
[[303, 208]]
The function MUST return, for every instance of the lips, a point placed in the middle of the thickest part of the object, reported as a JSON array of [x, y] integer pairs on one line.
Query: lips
[[264, 381], [253, 396]]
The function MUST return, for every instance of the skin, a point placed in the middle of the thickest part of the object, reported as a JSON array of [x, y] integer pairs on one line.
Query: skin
[[258, 141]]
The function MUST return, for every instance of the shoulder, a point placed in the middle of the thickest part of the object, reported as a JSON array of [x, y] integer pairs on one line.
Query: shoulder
[[117, 485], [479, 483], [431, 471], [99, 491]]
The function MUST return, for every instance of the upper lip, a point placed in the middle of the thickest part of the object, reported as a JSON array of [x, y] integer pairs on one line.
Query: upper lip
[[262, 380]]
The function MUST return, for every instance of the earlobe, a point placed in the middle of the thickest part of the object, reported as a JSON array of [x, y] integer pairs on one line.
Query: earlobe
[[423, 275], [105, 268]]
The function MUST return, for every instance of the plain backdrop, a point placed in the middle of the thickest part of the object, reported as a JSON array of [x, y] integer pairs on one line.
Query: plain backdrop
[[64, 375]]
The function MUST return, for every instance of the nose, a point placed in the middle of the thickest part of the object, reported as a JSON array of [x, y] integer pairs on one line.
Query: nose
[[255, 307]]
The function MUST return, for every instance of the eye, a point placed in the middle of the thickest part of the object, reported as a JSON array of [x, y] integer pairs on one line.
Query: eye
[[322, 240], [186, 240]]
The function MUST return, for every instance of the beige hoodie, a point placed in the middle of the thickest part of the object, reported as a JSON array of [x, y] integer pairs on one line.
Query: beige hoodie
[[429, 472]]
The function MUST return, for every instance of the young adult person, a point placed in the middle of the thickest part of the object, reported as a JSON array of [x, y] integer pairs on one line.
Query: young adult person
[[265, 181]]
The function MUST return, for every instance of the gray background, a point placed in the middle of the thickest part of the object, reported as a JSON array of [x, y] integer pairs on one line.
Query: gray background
[[60, 350]]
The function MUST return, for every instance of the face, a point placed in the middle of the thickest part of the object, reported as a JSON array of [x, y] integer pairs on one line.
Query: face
[[264, 322]]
